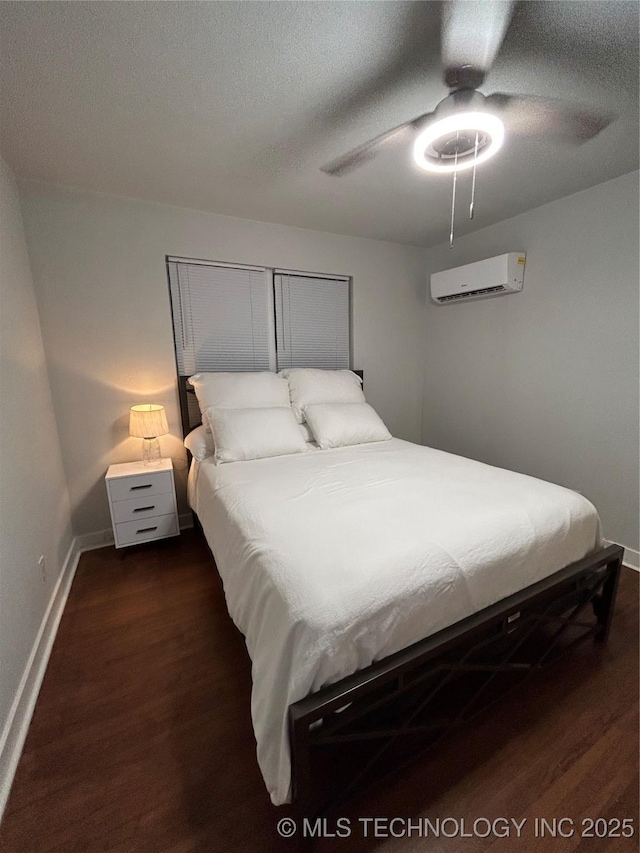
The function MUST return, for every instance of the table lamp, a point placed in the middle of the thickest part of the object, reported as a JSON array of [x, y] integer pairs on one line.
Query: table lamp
[[148, 421]]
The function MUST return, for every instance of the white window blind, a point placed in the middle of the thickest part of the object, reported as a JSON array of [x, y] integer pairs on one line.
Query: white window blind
[[312, 321], [220, 317]]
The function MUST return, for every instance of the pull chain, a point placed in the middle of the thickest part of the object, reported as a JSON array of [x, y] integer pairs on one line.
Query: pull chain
[[473, 180], [453, 201]]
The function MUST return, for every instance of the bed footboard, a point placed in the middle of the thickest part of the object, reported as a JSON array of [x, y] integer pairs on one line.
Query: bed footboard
[[401, 705]]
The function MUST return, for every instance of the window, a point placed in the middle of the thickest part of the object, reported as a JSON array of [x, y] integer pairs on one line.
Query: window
[[229, 317], [220, 316], [312, 321]]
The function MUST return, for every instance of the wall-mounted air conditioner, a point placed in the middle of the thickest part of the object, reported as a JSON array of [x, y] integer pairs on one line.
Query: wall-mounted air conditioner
[[491, 277]]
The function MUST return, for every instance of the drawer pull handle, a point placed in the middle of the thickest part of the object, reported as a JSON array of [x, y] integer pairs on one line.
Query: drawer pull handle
[[147, 529], [144, 508], [146, 486]]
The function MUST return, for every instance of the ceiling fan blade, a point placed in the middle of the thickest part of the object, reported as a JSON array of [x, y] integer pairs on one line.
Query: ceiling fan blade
[[472, 33], [363, 153], [559, 120]]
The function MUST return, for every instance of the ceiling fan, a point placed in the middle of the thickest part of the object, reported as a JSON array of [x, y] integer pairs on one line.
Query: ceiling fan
[[466, 128]]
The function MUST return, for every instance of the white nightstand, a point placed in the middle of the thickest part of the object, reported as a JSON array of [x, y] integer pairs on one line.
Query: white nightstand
[[142, 502]]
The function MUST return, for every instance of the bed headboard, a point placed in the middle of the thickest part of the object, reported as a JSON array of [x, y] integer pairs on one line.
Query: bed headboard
[[189, 410]]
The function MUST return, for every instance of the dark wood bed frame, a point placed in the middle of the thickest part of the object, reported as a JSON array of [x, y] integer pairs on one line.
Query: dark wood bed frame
[[392, 710]]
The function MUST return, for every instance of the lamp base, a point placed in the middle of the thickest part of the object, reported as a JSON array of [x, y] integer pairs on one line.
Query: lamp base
[[151, 451]]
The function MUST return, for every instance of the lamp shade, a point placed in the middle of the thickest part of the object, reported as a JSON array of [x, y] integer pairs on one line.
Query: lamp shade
[[147, 421]]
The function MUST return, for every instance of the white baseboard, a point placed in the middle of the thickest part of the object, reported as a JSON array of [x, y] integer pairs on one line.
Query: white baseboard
[[97, 539], [631, 558], [17, 723]]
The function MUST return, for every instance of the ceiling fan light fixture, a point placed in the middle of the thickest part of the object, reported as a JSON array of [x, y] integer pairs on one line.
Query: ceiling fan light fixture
[[448, 145]]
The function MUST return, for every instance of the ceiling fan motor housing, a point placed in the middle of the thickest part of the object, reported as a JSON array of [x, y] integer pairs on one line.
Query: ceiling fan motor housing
[[463, 77]]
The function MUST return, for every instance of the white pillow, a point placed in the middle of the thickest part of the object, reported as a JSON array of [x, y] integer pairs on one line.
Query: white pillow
[[240, 390], [241, 434], [309, 386], [199, 443], [341, 424]]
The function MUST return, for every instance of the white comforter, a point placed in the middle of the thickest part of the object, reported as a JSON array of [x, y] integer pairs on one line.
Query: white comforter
[[334, 559]]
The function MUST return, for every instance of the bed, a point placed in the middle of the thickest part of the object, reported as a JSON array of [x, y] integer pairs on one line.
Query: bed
[[368, 579]]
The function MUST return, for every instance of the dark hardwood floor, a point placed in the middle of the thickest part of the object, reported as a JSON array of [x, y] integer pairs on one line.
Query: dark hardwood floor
[[142, 741]]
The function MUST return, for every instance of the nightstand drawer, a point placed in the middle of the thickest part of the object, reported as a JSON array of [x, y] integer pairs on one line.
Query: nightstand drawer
[[140, 485], [151, 528], [144, 507]]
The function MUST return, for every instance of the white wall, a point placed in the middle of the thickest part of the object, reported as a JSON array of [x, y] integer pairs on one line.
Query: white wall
[[99, 267], [34, 503], [546, 381]]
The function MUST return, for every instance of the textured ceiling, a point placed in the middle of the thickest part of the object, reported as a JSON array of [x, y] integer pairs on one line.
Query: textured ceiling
[[233, 107]]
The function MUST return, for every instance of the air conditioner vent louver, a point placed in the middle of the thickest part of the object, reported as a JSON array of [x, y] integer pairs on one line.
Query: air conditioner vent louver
[[468, 294], [492, 277]]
